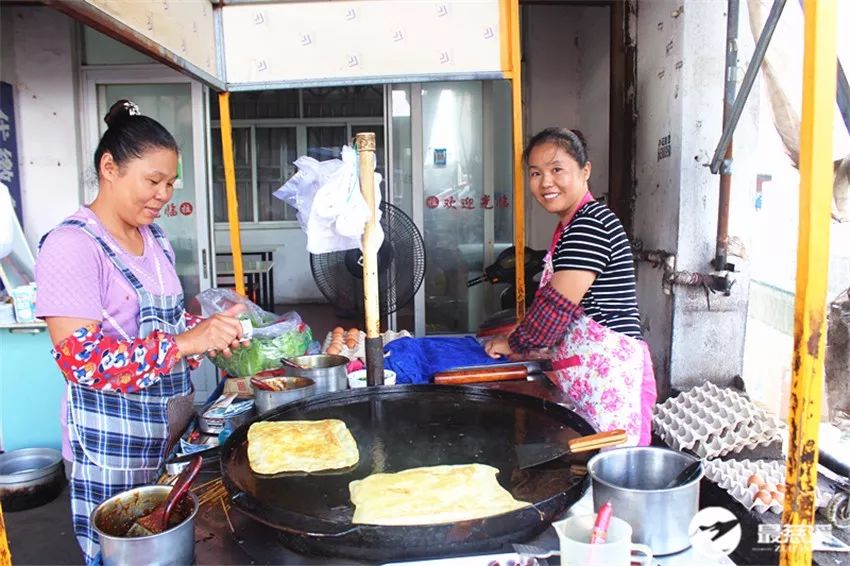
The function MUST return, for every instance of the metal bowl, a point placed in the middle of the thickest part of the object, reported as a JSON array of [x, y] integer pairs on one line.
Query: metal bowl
[[296, 388], [30, 477], [173, 546], [327, 370]]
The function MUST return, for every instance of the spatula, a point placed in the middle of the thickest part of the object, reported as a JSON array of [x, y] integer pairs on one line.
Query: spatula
[[529, 455], [157, 520]]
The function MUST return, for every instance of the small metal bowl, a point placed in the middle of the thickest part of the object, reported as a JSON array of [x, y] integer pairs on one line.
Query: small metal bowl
[[30, 477], [296, 388]]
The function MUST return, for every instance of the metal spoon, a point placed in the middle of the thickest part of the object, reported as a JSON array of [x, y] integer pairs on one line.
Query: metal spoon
[[290, 363]]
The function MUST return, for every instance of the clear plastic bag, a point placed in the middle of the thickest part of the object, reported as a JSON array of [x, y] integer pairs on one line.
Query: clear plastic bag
[[331, 209], [274, 336]]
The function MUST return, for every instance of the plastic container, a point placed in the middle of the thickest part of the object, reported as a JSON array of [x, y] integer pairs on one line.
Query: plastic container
[[357, 378]]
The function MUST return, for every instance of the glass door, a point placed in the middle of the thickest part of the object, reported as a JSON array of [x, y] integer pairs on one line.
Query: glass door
[[452, 171], [179, 105]]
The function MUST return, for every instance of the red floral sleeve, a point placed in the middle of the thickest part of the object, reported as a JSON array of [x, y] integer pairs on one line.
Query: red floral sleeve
[[192, 320], [89, 358]]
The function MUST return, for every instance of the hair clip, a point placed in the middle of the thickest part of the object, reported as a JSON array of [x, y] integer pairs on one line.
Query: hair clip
[[132, 108]]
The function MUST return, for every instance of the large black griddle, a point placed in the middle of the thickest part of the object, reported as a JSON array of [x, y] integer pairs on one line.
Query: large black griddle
[[403, 427]]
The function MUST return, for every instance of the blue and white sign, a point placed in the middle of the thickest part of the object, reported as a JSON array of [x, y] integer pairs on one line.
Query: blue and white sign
[[9, 149]]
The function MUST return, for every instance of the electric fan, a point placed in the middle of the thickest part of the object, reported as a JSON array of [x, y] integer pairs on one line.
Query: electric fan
[[401, 268]]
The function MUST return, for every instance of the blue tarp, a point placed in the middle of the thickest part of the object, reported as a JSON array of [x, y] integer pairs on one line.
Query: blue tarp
[[416, 360]]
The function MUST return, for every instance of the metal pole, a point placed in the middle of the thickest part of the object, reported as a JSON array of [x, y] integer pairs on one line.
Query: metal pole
[[365, 143], [747, 84], [230, 189], [819, 81], [512, 16], [5, 553], [722, 245]]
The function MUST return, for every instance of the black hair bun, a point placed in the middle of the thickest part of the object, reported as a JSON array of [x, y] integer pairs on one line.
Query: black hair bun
[[121, 111]]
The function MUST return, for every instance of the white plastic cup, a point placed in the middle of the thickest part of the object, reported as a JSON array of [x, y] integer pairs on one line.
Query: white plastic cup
[[617, 550]]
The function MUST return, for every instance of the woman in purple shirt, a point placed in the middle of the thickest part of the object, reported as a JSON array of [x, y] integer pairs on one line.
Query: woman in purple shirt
[[109, 292]]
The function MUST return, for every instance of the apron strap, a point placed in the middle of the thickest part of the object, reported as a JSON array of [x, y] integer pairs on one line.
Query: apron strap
[[159, 235], [110, 253]]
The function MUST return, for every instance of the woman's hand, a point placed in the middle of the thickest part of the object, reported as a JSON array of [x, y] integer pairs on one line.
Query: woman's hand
[[498, 347], [220, 332]]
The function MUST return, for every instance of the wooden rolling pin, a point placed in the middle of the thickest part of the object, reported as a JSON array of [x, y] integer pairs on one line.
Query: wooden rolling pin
[[481, 375]]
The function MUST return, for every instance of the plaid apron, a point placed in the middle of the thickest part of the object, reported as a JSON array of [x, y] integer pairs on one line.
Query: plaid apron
[[119, 440], [602, 371]]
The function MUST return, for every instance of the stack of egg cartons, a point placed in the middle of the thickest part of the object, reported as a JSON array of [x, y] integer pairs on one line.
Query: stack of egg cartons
[[713, 422]]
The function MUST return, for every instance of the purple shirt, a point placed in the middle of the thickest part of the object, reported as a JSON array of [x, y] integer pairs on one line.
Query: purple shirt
[[75, 278]]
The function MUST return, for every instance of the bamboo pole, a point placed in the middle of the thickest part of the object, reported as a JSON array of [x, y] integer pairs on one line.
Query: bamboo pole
[[365, 143], [230, 188], [519, 188], [5, 553], [819, 79]]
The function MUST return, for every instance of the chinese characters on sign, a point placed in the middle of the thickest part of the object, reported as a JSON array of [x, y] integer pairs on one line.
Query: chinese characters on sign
[[487, 202], [9, 149]]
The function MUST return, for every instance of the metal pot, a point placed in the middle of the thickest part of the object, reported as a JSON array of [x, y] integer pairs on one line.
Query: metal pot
[[328, 371], [296, 388], [633, 479], [30, 477], [115, 515]]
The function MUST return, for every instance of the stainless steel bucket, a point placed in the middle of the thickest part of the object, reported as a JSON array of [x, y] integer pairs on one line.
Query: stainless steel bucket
[[633, 479], [328, 371], [176, 546]]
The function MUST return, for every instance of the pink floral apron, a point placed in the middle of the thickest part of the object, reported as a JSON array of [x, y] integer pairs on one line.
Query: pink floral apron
[[602, 371]]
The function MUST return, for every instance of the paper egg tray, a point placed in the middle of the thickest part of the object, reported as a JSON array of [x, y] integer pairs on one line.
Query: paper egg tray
[[359, 350], [733, 475], [714, 422]]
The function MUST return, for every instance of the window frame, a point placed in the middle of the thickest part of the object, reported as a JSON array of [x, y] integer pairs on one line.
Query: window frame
[[300, 125]]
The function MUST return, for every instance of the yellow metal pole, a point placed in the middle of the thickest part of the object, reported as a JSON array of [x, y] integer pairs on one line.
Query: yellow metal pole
[[511, 14], [230, 188], [819, 80], [5, 553]]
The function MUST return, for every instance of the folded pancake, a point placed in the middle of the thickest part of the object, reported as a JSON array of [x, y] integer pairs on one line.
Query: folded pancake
[[300, 446], [430, 495]]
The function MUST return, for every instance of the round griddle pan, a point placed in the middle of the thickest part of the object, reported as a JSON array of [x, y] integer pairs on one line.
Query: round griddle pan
[[403, 427]]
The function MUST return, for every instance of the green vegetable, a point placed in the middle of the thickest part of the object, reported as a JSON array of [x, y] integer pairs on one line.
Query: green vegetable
[[264, 353]]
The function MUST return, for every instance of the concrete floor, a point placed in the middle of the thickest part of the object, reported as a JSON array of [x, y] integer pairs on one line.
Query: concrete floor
[[44, 535]]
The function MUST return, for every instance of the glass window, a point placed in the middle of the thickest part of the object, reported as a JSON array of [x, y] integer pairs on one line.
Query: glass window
[[242, 161], [262, 104], [325, 142], [276, 151], [348, 102]]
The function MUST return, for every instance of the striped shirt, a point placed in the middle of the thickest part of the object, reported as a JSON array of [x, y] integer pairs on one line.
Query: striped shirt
[[595, 241]]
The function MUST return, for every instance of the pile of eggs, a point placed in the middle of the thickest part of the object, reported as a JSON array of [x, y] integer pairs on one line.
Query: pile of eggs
[[340, 339], [765, 491]]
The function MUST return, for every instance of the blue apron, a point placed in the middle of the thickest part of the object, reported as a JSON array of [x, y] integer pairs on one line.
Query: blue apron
[[119, 439]]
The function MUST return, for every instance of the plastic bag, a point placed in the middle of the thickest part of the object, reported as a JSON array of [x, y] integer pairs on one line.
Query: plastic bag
[[274, 337], [331, 209]]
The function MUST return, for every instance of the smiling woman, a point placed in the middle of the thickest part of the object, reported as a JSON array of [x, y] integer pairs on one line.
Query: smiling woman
[[109, 292]]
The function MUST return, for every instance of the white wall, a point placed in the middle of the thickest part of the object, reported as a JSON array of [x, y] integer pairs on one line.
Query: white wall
[[293, 280], [566, 83], [38, 59], [680, 69]]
